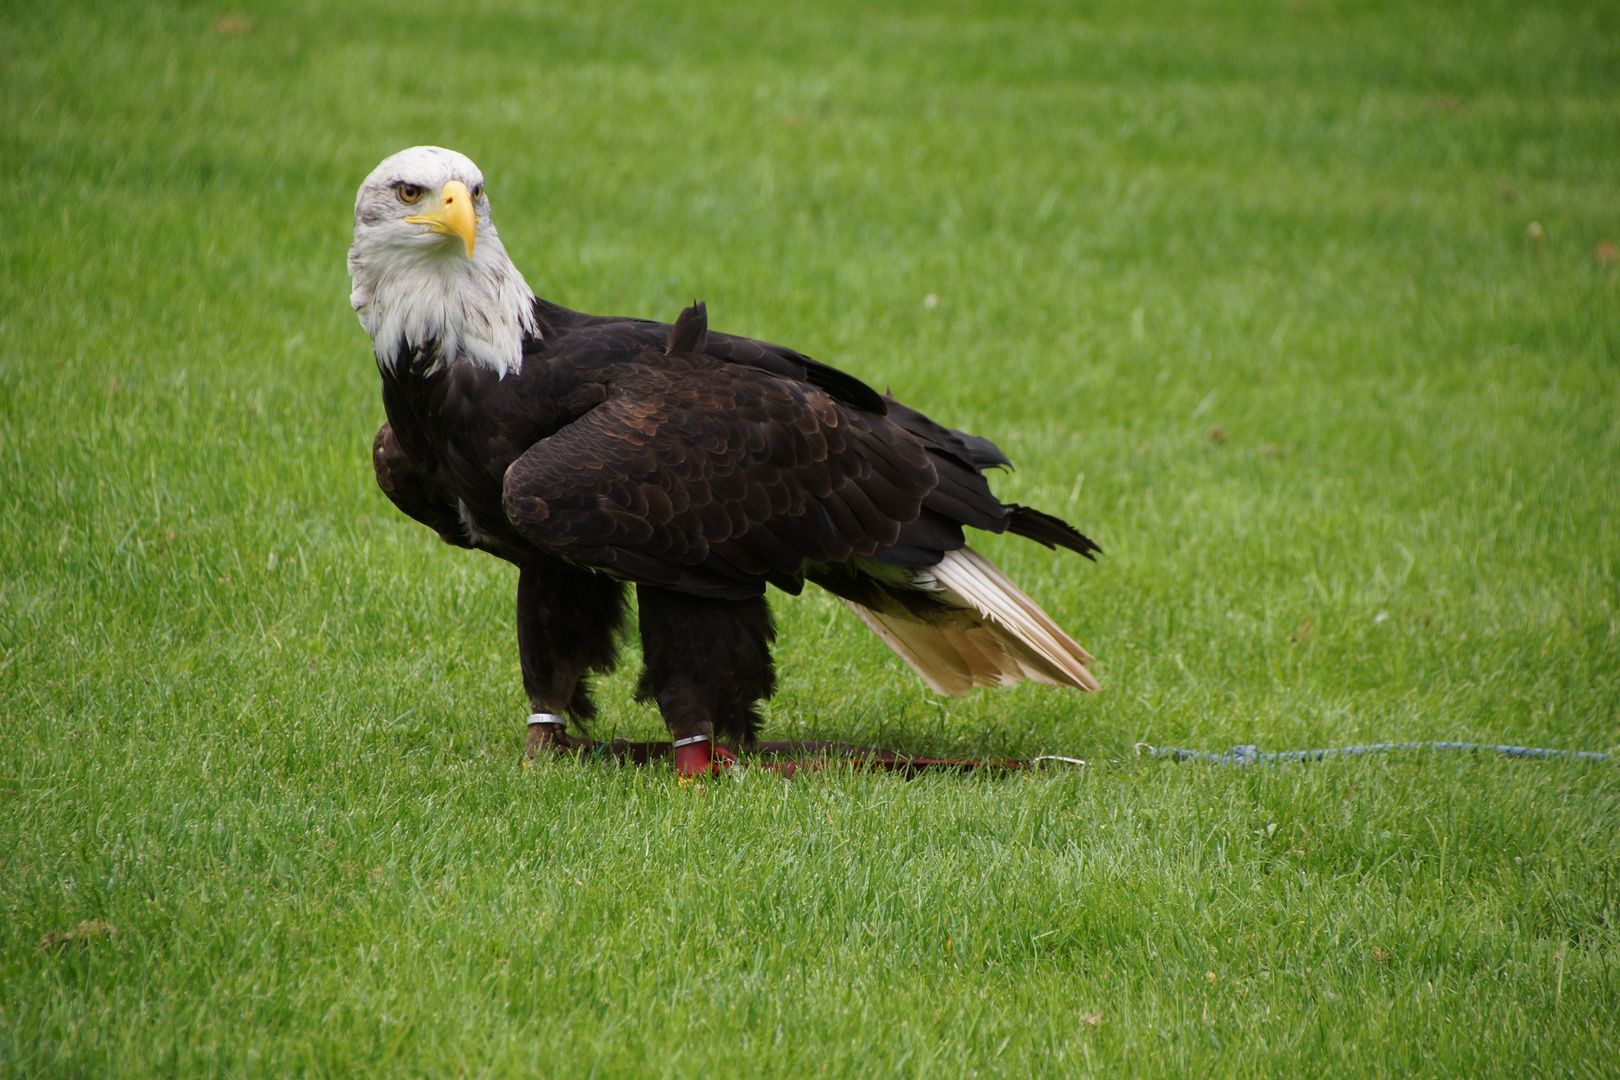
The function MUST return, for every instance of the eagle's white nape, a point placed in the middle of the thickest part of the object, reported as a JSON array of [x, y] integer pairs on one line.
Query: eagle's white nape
[[412, 285]]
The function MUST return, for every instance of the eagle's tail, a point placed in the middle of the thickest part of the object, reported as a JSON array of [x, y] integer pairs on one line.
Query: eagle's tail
[[977, 629]]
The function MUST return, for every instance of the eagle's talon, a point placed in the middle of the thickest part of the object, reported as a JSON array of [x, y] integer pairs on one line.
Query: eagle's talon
[[552, 738]]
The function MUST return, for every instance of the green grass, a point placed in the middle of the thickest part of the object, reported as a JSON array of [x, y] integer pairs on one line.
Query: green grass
[[268, 729]]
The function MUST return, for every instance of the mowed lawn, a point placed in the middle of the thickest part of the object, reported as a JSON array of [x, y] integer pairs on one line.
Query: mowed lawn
[[1308, 311]]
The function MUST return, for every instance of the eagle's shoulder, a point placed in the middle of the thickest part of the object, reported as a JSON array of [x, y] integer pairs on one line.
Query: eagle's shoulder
[[557, 323], [567, 334]]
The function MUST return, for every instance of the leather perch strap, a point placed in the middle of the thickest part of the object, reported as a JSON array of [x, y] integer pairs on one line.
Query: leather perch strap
[[789, 758]]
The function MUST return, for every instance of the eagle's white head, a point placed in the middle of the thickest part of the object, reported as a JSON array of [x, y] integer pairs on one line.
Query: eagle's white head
[[427, 265]]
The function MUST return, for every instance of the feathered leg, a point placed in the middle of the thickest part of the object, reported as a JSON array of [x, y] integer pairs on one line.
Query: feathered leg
[[708, 662], [567, 621]]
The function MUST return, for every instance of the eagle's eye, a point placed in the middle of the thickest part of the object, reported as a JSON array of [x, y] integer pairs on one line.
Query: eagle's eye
[[478, 190], [408, 193]]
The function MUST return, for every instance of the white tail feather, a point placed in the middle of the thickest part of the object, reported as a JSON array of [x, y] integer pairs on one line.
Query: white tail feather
[[995, 636]]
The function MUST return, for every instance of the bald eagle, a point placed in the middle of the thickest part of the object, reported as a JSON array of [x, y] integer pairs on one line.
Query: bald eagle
[[598, 452]]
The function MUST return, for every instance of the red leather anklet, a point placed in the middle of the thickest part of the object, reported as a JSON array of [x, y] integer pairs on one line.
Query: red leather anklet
[[694, 756], [700, 755]]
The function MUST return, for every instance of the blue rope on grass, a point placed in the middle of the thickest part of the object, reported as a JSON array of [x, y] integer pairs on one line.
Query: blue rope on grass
[[1251, 755]]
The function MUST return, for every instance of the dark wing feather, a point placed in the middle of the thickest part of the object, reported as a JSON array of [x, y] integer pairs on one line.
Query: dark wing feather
[[691, 331], [1054, 532], [411, 486], [974, 451], [781, 360], [715, 478]]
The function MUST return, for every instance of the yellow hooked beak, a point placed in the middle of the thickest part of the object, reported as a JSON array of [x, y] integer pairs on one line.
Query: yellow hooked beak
[[455, 215]]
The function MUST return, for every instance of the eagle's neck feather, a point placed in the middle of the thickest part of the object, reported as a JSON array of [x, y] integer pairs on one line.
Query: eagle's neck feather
[[477, 309]]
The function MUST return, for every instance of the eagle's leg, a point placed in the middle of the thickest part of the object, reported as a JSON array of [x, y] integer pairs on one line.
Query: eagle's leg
[[567, 621], [708, 662]]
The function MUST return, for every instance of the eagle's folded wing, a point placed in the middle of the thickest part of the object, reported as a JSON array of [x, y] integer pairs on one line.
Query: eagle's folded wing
[[716, 478], [410, 486]]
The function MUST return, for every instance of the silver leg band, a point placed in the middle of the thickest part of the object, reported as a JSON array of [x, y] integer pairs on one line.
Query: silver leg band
[[547, 718], [694, 739]]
